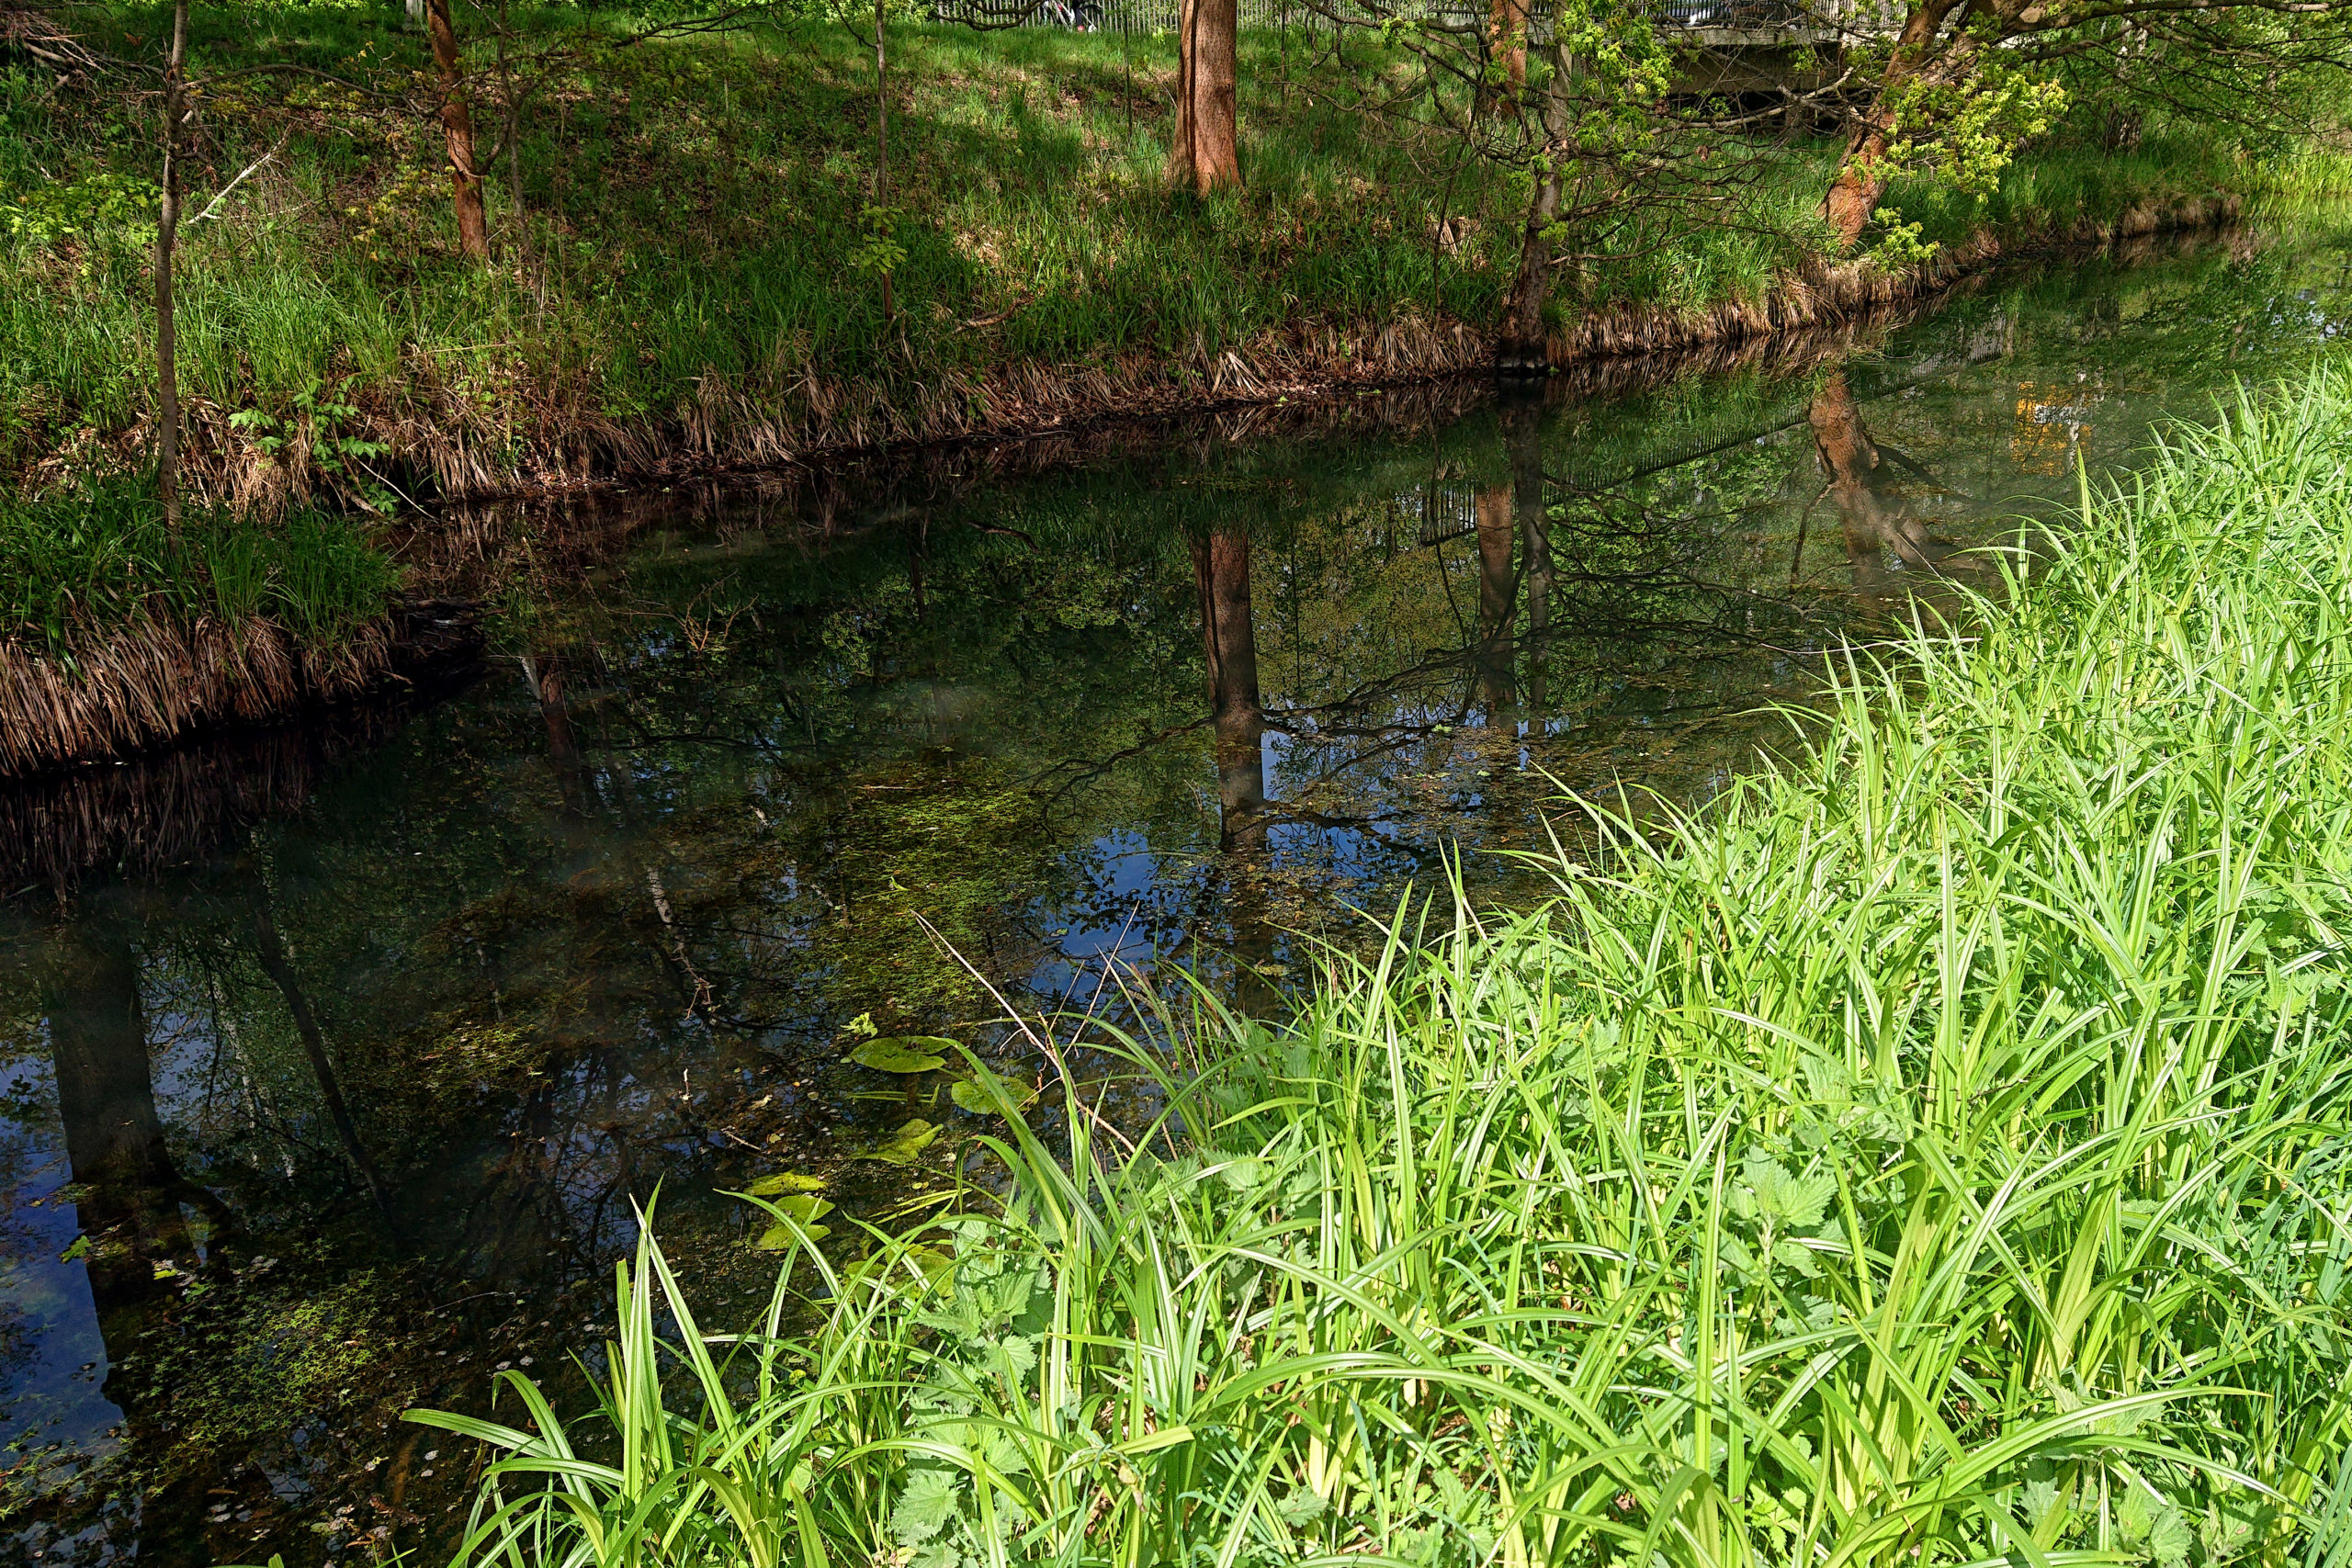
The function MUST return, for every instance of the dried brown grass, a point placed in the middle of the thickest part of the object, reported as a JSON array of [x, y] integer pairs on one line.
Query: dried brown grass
[[158, 679], [469, 451]]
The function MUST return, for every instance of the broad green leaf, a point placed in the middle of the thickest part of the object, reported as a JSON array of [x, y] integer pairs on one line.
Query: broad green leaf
[[926, 1504], [903, 1053], [778, 1236]]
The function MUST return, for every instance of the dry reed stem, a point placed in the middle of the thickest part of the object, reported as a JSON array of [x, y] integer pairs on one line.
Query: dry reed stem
[[158, 679]]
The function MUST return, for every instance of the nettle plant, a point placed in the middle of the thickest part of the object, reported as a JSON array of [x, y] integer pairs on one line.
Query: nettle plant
[[321, 427]]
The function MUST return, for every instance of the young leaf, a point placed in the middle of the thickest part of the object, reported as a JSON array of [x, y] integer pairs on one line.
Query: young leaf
[[906, 1144]]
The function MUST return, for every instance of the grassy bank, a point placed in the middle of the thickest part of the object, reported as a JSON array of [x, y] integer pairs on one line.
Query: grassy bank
[[1939, 1153], [118, 630], [686, 269]]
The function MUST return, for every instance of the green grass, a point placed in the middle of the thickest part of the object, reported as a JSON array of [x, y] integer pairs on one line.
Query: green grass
[[680, 256], [1935, 1153], [77, 567]]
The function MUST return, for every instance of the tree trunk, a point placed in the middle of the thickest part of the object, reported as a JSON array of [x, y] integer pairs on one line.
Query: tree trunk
[[1507, 44], [274, 963], [1524, 347], [1206, 153], [882, 141], [1498, 595], [1873, 519], [1523, 442], [168, 230], [457, 131], [415, 10], [1229, 640], [1860, 181]]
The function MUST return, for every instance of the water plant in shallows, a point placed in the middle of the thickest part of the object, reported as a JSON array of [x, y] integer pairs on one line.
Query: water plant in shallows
[[1936, 1152]]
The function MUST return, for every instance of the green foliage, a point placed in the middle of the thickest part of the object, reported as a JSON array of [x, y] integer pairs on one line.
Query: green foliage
[[322, 424], [119, 207], [1964, 131], [81, 564], [1936, 1153]]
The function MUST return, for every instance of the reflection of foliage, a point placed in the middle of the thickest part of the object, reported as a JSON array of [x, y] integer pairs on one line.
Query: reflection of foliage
[[949, 846]]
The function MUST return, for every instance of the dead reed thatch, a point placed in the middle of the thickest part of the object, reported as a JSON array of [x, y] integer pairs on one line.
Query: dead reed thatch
[[471, 451], [158, 679]]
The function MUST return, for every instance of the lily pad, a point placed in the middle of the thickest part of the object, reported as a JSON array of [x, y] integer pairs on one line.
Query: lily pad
[[903, 1053], [786, 1181], [906, 1144]]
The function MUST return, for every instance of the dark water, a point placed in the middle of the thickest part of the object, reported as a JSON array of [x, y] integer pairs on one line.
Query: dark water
[[336, 1061]]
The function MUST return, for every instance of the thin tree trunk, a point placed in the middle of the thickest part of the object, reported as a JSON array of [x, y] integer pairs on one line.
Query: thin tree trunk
[[1206, 152], [1523, 443], [457, 133], [882, 137], [1524, 347], [1229, 641], [168, 230], [1497, 606], [274, 963]]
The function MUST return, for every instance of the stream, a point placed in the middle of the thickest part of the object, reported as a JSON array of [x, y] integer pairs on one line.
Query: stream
[[337, 1060]]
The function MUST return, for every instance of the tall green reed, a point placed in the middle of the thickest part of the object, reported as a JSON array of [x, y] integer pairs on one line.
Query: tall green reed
[[1934, 1152]]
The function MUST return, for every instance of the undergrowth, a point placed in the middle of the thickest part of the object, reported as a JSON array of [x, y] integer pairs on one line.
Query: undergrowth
[[77, 567], [1935, 1153], [687, 243]]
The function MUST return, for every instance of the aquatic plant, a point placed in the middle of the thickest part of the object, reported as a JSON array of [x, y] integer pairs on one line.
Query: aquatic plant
[[1937, 1150]]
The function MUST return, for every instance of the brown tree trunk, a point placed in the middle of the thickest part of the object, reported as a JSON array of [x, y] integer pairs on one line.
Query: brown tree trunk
[[1524, 348], [1873, 519], [167, 230], [1206, 153], [1860, 181], [129, 1201], [1229, 640], [1506, 45], [457, 133]]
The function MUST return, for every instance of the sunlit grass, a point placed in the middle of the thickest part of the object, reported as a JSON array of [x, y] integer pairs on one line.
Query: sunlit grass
[[681, 247], [79, 566], [1936, 1153]]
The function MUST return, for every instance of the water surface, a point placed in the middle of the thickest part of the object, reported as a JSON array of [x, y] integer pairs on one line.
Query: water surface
[[337, 1060]]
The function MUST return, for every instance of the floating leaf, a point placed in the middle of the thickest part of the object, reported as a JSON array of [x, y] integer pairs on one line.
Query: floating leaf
[[902, 1053], [779, 1236], [906, 1144], [786, 1181], [972, 1094], [808, 1209]]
